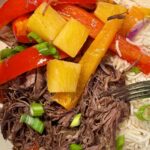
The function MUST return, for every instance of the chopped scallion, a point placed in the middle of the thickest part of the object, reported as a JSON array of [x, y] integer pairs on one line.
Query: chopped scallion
[[7, 52], [136, 70], [19, 48], [36, 109], [47, 49], [143, 113], [52, 49], [54, 52], [120, 142], [43, 48], [34, 123], [75, 147], [76, 121], [34, 36]]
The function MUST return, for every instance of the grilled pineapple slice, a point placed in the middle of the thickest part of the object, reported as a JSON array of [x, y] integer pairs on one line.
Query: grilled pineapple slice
[[62, 76], [105, 10], [47, 25], [72, 37]]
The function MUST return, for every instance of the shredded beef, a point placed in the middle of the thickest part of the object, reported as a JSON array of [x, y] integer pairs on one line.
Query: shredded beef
[[100, 115], [7, 36]]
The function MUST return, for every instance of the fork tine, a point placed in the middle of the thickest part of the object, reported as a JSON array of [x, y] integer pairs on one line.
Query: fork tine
[[139, 95], [135, 94], [131, 87], [133, 91]]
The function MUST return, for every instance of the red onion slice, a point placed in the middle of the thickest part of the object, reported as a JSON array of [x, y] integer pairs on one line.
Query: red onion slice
[[139, 26]]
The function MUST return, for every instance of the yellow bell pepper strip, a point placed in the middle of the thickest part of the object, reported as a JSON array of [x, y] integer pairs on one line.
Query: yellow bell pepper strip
[[146, 11], [95, 53], [95, 25], [133, 17], [105, 10]]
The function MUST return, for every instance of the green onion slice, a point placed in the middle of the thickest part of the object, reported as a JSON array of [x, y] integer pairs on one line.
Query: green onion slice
[[75, 147], [7, 52], [43, 48], [35, 37], [76, 121], [19, 48], [120, 142], [136, 70], [36, 109], [143, 113], [47, 49], [53, 51], [35, 123]]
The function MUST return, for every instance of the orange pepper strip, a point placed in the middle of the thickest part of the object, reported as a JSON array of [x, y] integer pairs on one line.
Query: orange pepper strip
[[89, 62], [134, 15], [131, 53], [20, 29]]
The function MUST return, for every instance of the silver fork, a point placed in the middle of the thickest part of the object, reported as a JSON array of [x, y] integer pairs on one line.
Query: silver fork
[[132, 91]]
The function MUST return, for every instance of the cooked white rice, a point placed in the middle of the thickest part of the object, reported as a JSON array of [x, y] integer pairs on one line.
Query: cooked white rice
[[130, 3], [137, 133]]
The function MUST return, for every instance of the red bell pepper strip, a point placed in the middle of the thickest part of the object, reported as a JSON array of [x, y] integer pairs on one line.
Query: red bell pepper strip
[[13, 9], [22, 62], [20, 29], [131, 53], [75, 1], [86, 18]]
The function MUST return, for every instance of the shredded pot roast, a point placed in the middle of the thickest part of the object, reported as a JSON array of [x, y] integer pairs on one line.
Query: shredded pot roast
[[100, 115]]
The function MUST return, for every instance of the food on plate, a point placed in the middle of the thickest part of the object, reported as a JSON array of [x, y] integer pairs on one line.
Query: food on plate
[[20, 29], [134, 15], [60, 61], [89, 62], [105, 10], [72, 37], [62, 76], [47, 26]]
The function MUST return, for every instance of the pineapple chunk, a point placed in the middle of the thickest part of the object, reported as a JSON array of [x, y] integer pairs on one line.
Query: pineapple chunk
[[105, 10], [62, 76], [72, 37], [47, 26]]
